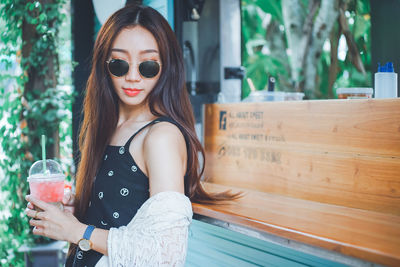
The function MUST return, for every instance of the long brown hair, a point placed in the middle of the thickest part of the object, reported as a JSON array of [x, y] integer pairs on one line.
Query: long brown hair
[[169, 95]]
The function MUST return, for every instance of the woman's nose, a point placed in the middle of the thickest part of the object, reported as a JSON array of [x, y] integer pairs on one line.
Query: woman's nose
[[133, 73]]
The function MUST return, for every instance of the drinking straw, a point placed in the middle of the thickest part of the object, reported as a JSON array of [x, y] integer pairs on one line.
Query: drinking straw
[[44, 152], [251, 84]]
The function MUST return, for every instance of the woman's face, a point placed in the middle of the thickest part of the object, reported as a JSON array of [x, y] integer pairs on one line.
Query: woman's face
[[134, 46]]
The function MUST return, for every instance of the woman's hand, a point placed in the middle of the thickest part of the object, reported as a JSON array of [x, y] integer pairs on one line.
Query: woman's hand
[[68, 201], [53, 222]]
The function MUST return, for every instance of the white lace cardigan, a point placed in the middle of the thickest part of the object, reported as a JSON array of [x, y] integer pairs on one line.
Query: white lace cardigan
[[156, 236]]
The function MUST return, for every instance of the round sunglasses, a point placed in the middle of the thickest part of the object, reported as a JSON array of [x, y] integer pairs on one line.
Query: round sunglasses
[[120, 67]]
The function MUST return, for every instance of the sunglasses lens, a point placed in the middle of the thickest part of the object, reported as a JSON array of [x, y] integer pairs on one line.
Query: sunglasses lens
[[118, 67], [149, 69]]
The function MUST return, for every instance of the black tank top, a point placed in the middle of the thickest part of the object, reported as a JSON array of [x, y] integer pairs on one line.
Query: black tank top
[[120, 188]]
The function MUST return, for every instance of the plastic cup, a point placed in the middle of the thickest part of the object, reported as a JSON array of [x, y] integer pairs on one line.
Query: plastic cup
[[354, 92], [47, 184]]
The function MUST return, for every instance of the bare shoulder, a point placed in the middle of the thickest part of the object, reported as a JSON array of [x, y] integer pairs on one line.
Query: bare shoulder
[[164, 131], [165, 156], [165, 136]]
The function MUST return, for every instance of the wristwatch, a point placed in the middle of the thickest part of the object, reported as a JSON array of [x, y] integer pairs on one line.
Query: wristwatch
[[85, 244]]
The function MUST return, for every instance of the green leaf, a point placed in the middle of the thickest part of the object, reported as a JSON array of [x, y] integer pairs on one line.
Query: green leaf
[[31, 6], [361, 26], [272, 7], [42, 17]]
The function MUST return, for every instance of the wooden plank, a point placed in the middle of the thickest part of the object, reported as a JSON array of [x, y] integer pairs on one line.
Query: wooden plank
[[368, 235], [343, 152], [351, 126], [357, 182]]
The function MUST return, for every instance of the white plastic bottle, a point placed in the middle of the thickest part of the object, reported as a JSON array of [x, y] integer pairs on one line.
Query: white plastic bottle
[[386, 81]]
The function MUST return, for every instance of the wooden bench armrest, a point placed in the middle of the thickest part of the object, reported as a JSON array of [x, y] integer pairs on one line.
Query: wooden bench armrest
[[363, 234]]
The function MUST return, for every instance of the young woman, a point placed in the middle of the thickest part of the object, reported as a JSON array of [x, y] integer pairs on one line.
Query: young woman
[[139, 165]]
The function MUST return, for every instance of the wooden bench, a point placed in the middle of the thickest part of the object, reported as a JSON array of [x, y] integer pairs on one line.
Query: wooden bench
[[324, 173]]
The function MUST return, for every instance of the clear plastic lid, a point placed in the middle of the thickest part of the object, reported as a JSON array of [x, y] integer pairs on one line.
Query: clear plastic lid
[[354, 90], [294, 96], [53, 169], [264, 95]]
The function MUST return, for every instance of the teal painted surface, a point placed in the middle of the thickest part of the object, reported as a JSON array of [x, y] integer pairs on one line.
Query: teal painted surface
[[171, 13], [210, 245], [165, 7]]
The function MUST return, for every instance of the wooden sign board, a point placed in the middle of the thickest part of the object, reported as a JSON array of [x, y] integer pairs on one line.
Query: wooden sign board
[[343, 152]]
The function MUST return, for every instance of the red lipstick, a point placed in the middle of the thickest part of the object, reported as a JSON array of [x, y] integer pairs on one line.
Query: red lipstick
[[131, 91]]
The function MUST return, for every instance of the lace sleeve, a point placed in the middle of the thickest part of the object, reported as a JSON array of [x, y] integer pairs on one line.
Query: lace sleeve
[[156, 236]]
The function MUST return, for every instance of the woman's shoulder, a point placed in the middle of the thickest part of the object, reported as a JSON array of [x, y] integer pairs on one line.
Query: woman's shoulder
[[165, 157], [165, 138], [164, 132]]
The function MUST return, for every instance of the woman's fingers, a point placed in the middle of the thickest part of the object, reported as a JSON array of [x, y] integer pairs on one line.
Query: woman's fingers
[[51, 221], [69, 209], [37, 223], [38, 231], [34, 214], [38, 203], [68, 199], [30, 206]]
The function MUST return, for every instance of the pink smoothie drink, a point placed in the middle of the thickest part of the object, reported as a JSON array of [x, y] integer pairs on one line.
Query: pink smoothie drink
[[47, 188], [46, 181]]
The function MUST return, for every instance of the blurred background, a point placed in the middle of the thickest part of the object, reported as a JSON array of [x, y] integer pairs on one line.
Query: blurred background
[[311, 47]]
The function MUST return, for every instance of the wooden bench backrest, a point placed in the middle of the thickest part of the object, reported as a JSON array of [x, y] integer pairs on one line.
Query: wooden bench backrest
[[342, 152]]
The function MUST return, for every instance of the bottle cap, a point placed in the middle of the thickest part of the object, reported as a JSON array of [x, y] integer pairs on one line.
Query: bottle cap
[[386, 68], [389, 67]]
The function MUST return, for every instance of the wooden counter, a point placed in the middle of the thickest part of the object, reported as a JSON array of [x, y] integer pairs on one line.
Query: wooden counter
[[325, 173]]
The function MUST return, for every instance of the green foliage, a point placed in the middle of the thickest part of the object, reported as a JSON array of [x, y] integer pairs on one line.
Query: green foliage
[[27, 114], [259, 64], [349, 76], [260, 61]]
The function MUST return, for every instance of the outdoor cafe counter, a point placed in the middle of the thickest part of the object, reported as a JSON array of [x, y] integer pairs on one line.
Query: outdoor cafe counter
[[320, 183]]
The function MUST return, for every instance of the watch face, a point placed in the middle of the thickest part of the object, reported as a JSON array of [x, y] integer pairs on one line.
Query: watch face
[[84, 244]]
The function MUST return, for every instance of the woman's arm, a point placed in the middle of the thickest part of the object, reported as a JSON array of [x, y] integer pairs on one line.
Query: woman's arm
[[157, 235], [99, 240], [62, 225], [165, 157]]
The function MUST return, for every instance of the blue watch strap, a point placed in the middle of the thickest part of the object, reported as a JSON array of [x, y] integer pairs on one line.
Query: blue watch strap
[[88, 232]]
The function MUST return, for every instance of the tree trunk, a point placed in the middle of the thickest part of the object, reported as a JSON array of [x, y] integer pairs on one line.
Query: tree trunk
[[37, 82], [323, 24], [354, 53], [293, 18], [334, 67], [299, 27]]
